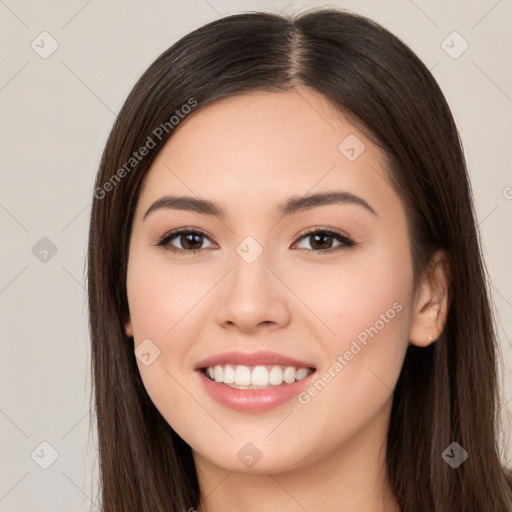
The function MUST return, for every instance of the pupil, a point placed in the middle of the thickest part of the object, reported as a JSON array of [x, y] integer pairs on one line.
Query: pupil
[[315, 237], [190, 237]]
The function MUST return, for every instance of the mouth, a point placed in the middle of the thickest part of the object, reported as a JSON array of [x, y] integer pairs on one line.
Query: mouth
[[255, 377], [253, 382]]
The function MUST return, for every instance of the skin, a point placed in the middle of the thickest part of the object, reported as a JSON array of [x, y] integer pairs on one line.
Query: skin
[[249, 153]]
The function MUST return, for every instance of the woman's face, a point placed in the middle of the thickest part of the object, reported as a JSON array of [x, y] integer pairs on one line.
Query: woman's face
[[254, 302]]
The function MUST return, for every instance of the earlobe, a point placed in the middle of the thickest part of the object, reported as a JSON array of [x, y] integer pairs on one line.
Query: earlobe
[[432, 302], [128, 327]]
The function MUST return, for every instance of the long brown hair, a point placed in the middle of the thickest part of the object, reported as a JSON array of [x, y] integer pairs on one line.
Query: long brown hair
[[447, 392]]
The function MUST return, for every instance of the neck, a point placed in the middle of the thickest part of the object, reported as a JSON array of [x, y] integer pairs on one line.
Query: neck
[[351, 478]]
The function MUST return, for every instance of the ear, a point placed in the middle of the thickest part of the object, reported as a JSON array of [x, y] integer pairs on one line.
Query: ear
[[128, 326], [431, 303]]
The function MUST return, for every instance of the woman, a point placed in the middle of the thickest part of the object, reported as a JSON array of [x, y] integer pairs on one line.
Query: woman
[[356, 372]]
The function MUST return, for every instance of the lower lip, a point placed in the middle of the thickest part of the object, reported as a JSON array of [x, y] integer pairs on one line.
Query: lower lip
[[253, 400]]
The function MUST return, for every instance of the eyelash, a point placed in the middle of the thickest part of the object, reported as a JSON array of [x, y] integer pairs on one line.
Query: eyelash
[[345, 241]]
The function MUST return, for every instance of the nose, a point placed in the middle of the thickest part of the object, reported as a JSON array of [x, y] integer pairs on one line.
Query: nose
[[253, 296]]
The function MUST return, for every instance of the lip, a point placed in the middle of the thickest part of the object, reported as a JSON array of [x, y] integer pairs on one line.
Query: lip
[[253, 400], [260, 358]]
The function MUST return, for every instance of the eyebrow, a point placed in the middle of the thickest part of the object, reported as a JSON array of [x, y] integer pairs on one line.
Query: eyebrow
[[292, 205]]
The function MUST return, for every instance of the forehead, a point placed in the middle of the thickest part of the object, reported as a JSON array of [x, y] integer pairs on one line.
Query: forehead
[[267, 146]]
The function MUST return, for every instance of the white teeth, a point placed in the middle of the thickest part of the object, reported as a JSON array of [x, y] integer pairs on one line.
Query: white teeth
[[259, 376], [289, 375], [275, 376], [229, 374], [241, 376], [301, 373]]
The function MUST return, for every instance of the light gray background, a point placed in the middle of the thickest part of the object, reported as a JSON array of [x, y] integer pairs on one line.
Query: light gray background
[[56, 113]]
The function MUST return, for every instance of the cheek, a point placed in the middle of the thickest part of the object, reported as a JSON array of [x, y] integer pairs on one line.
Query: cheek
[[369, 313], [160, 296], [359, 290], [364, 314], [161, 300]]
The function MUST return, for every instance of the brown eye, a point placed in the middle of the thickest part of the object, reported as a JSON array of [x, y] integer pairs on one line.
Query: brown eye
[[190, 241], [321, 240]]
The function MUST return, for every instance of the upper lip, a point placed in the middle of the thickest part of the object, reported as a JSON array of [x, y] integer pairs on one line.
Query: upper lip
[[261, 358]]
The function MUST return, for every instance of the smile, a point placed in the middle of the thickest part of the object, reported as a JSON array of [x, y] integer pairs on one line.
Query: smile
[[255, 381], [255, 377]]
